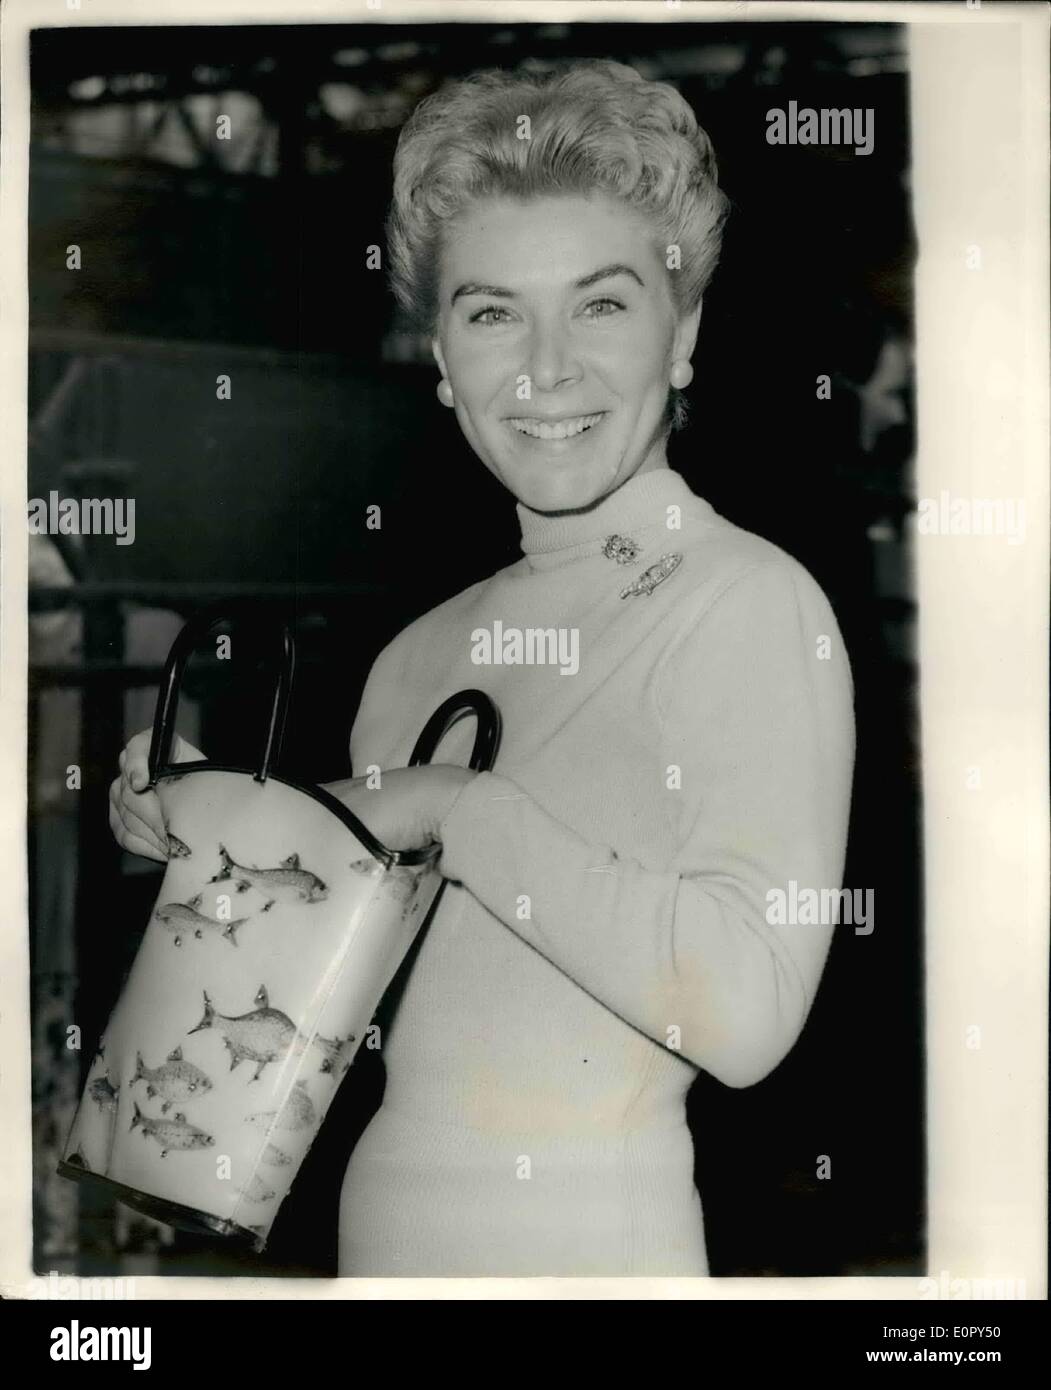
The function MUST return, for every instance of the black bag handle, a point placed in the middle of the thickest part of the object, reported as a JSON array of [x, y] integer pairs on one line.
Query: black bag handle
[[483, 755], [198, 627], [450, 712]]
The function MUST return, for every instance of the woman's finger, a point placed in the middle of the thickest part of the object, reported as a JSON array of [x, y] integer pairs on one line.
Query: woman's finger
[[138, 844], [144, 804], [134, 844], [142, 815], [136, 770], [143, 830], [134, 761]]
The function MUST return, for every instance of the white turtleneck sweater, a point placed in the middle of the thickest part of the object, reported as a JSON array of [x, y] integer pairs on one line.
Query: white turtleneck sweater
[[606, 929]]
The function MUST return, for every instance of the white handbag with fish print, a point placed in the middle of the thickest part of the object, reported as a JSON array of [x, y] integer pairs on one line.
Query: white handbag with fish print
[[279, 924]]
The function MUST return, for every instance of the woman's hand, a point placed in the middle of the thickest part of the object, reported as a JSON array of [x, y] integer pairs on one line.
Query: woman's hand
[[135, 815], [407, 809]]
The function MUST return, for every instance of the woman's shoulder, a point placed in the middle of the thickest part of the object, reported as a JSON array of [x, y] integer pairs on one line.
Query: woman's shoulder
[[732, 566], [438, 624], [403, 677], [758, 607]]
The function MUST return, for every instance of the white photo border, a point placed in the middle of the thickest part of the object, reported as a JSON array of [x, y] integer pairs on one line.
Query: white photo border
[[979, 116]]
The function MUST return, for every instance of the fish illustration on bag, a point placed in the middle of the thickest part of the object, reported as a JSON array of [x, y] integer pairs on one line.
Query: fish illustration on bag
[[289, 875], [257, 1190], [298, 1112], [103, 1094], [178, 849], [262, 1036], [275, 1156], [177, 1133], [176, 1080], [184, 917]]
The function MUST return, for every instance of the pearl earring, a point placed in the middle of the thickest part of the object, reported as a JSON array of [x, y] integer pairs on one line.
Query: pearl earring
[[681, 373], [444, 392]]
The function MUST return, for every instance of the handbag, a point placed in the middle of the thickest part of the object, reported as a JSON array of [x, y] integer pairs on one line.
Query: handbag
[[280, 922]]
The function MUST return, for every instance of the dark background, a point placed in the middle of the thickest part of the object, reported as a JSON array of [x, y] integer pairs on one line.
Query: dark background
[[203, 257]]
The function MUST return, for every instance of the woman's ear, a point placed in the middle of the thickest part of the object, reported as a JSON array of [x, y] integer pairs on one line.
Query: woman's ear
[[438, 357], [686, 334]]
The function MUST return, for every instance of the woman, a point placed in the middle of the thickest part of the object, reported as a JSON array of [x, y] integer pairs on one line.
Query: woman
[[677, 707]]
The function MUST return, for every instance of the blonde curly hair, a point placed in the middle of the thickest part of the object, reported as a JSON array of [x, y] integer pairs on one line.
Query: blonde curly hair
[[595, 126]]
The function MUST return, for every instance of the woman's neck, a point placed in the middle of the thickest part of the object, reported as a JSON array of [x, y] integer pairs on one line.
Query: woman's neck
[[641, 502]]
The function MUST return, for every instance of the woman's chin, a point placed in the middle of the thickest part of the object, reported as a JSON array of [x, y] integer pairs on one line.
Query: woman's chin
[[560, 495], [554, 475], [556, 487]]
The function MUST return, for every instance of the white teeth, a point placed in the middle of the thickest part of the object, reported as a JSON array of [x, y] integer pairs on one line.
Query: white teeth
[[564, 429]]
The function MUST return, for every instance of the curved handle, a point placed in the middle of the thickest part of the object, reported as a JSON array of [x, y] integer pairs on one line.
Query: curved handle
[[487, 734], [168, 697]]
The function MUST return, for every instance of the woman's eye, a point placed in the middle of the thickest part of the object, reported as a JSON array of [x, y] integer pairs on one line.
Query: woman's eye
[[593, 307], [480, 316]]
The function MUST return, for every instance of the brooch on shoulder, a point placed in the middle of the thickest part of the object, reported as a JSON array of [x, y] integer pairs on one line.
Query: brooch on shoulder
[[622, 549], [656, 574]]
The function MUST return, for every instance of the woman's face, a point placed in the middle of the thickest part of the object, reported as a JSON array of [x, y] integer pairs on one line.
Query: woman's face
[[556, 331]]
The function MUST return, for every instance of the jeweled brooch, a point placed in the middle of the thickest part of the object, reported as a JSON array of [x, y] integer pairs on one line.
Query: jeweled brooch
[[656, 574], [622, 549]]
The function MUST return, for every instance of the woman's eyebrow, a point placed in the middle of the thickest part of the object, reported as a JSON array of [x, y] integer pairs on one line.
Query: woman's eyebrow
[[607, 272]]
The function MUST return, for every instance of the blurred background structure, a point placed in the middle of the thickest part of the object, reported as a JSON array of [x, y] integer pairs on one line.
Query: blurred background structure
[[247, 257]]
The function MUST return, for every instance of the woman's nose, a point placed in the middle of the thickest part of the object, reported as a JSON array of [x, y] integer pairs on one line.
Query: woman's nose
[[552, 358]]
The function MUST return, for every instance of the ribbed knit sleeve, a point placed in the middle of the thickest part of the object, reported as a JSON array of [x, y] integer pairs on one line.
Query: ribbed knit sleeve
[[755, 703]]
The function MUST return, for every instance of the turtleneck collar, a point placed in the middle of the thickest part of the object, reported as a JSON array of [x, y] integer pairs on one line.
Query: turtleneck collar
[[637, 505]]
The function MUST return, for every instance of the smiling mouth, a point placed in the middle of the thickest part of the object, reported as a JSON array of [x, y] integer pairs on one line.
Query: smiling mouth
[[562, 429]]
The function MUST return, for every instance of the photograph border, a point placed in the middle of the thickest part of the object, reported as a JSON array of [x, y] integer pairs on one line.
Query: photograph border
[[979, 179]]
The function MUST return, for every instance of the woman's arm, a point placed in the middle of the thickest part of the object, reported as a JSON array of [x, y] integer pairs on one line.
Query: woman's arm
[[757, 707]]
